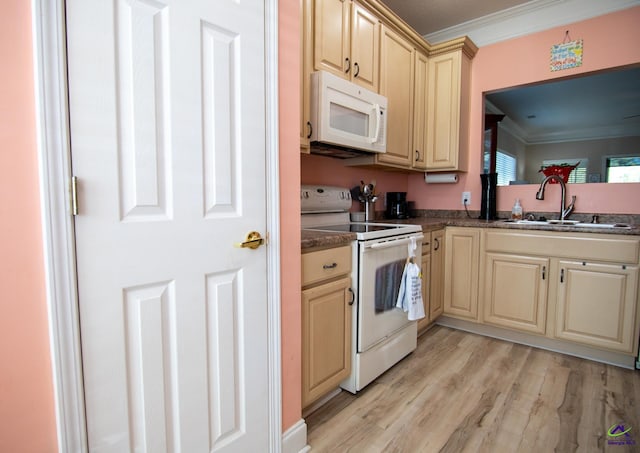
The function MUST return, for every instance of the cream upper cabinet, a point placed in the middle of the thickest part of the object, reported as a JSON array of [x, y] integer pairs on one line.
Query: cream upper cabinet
[[436, 301], [515, 291], [597, 304], [419, 161], [346, 41], [332, 36], [396, 83], [448, 111], [365, 48], [306, 63], [462, 255]]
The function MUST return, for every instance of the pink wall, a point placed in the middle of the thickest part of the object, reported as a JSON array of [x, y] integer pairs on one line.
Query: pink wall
[[607, 43], [27, 420], [291, 317], [331, 171]]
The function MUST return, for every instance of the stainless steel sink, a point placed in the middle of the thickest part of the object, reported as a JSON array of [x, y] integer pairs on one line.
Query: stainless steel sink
[[571, 223], [527, 222], [604, 225]]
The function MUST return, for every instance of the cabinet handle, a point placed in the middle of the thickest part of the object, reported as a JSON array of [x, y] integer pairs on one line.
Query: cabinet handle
[[355, 65], [346, 60], [437, 241], [544, 272], [561, 275], [330, 266], [417, 155], [310, 129], [353, 297]]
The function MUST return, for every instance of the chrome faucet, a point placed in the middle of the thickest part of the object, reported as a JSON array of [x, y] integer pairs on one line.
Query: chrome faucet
[[564, 211]]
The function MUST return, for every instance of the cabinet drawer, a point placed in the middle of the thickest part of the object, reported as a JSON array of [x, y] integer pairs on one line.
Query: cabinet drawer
[[580, 246], [325, 264]]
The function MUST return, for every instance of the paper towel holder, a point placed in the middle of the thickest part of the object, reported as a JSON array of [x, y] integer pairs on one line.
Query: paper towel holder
[[441, 178]]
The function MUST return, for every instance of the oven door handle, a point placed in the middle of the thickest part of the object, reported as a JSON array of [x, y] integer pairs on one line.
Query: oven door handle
[[394, 242]]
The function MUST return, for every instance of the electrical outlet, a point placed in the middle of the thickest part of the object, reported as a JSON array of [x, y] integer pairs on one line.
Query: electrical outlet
[[466, 196]]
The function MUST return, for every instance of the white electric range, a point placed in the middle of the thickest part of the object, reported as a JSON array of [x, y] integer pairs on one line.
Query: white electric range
[[382, 334]]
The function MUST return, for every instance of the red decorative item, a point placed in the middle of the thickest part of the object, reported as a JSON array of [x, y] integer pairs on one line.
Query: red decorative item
[[561, 170]]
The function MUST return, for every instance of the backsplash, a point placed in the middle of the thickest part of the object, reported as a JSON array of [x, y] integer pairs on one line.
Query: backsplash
[[633, 219]]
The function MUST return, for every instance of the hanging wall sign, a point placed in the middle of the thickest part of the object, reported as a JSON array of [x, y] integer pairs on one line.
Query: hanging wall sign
[[566, 55]]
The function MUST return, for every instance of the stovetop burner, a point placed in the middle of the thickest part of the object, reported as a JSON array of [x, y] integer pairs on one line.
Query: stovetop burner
[[326, 208]]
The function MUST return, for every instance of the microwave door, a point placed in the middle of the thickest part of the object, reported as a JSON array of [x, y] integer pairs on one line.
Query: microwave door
[[351, 121]]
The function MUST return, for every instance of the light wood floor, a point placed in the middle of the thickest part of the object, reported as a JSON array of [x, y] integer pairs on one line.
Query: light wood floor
[[460, 392]]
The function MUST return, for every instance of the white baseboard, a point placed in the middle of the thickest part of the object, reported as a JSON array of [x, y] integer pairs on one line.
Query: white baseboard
[[294, 440]]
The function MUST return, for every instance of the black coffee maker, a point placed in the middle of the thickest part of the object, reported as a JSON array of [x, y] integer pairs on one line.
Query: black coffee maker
[[397, 206]]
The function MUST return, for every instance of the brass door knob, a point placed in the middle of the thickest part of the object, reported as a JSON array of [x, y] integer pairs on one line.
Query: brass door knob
[[253, 241]]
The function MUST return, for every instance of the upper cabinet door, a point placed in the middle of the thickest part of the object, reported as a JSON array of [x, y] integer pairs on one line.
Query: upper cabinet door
[[396, 83], [365, 48], [331, 37], [306, 65], [448, 111], [420, 112]]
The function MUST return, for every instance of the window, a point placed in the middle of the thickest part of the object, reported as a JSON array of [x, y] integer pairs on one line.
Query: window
[[579, 174], [505, 167], [623, 169]]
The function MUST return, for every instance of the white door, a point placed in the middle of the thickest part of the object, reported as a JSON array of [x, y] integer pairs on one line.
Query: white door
[[168, 143]]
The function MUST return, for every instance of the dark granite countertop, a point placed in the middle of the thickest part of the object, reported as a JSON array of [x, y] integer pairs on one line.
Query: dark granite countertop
[[320, 239], [315, 239]]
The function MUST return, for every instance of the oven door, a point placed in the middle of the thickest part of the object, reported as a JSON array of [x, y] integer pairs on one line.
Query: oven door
[[380, 266]]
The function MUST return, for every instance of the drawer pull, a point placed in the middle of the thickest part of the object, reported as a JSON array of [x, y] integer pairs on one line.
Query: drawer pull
[[330, 266]]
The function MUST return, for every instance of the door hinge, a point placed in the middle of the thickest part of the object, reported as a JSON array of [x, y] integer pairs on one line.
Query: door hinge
[[74, 195]]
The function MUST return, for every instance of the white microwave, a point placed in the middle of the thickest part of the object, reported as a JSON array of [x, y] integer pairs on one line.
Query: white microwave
[[346, 115]]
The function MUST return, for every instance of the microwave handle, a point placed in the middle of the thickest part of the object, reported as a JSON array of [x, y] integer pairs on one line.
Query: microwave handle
[[376, 135]]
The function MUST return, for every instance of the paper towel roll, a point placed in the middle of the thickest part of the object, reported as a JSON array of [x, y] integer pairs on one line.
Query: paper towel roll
[[431, 178]]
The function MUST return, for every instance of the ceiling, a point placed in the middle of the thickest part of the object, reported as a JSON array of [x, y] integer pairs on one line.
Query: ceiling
[[605, 105], [429, 16], [490, 21]]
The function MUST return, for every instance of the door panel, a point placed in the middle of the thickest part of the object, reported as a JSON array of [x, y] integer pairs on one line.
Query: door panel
[[515, 292], [396, 83], [597, 305], [168, 142]]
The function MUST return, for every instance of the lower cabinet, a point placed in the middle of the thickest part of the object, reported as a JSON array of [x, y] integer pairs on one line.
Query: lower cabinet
[[515, 291], [326, 321], [597, 304], [436, 299], [462, 254], [577, 287], [432, 277], [425, 269]]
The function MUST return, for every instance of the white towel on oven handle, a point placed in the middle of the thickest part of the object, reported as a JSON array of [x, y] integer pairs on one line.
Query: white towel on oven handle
[[410, 293]]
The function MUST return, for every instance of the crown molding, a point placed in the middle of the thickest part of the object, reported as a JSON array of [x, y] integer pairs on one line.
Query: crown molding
[[565, 135], [531, 17]]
